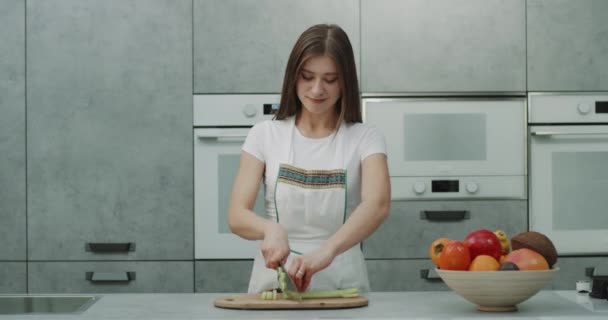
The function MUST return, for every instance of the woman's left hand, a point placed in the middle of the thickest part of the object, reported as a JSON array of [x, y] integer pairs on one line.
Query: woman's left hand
[[303, 267]]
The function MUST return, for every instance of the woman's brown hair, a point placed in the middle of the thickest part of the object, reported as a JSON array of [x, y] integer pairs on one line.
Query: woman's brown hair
[[323, 40]]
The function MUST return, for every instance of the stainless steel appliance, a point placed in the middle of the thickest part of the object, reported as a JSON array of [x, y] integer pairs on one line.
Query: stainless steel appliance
[[221, 124], [453, 148], [568, 170]]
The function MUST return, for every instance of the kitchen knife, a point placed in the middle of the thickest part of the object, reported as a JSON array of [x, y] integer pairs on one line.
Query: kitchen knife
[[290, 291]]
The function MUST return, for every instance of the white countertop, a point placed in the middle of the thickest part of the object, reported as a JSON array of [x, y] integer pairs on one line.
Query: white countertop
[[382, 305]]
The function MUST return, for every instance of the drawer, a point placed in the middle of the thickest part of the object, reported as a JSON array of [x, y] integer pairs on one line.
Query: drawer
[[413, 225], [404, 275], [111, 277], [12, 277], [222, 275]]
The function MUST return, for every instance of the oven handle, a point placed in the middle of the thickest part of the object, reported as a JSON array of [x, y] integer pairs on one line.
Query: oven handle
[[223, 136], [555, 133]]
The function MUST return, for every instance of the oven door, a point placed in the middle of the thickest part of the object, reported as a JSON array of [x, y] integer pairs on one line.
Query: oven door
[[444, 137], [216, 161], [568, 184]]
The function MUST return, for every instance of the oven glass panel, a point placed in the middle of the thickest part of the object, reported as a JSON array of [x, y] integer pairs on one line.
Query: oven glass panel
[[228, 165], [580, 182], [445, 137]]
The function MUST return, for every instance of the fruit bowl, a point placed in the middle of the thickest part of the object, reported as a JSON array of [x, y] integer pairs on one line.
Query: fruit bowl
[[497, 290]]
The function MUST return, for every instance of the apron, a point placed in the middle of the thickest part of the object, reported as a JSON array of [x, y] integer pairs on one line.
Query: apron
[[311, 206]]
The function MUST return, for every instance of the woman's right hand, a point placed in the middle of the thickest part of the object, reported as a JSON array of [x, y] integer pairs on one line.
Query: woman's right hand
[[275, 246]]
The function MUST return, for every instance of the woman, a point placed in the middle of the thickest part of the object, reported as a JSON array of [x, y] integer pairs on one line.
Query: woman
[[325, 173]]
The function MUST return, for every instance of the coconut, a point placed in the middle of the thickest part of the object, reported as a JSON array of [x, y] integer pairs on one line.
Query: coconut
[[538, 242]]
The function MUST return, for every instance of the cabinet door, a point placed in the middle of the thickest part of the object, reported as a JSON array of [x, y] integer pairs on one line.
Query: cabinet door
[[222, 275], [12, 277], [567, 45], [111, 277], [404, 275], [413, 225], [109, 128], [443, 45], [243, 46], [12, 130]]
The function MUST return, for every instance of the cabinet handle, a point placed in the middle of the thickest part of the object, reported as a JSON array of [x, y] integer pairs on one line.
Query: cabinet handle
[[110, 276], [224, 136], [555, 133], [104, 247], [429, 275], [444, 215]]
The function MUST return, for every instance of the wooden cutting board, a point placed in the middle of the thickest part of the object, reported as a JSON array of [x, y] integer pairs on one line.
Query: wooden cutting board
[[254, 301]]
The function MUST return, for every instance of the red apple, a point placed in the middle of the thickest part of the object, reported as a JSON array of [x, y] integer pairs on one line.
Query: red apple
[[483, 241]]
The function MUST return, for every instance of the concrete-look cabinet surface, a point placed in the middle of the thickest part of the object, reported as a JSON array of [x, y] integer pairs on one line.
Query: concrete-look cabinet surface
[[12, 130], [572, 269], [403, 275], [443, 46], [222, 275], [410, 228], [110, 276], [13, 277], [243, 46], [567, 45], [109, 137]]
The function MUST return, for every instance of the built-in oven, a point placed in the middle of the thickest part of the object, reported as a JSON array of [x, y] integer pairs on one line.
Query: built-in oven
[[569, 170], [221, 124], [453, 147]]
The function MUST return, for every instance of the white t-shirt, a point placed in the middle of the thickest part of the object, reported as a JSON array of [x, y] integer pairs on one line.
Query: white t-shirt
[[268, 140]]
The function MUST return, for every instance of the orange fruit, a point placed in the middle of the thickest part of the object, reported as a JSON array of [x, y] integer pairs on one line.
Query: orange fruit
[[484, 263], [436, 248]]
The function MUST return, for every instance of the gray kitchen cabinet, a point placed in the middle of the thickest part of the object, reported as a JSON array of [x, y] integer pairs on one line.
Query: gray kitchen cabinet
[[110, 277], [408, 232], [243, 46], [443, 46], [13, 277], [109, 150], [572, 269], [12, 130], [222, 275], [404, 275], [567, 45]]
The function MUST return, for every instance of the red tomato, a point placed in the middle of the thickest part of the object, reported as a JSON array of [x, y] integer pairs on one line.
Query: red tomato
[[455, 256], [483, 242]]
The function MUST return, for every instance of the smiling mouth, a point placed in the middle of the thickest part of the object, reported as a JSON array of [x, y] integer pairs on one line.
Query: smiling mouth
[[316, 100]]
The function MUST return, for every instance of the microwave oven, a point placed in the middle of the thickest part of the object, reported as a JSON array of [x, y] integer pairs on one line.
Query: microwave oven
[[452, 147]]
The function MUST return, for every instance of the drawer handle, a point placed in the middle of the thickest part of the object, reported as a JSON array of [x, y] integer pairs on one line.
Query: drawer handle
[[430, 275], [105, 247], [444, 215], [110, 276]]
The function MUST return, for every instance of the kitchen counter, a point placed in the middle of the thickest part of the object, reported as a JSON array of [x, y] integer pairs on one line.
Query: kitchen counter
[[383, 305]]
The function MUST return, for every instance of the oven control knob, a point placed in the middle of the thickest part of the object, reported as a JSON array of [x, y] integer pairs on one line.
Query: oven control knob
[[583, 108], [472, 187], [249, 110], [419, 187]]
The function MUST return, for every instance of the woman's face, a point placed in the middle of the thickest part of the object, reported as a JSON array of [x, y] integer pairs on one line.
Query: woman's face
[[318, 85]]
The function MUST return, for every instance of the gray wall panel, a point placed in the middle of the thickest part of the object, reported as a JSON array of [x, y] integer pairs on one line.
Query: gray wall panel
[[12, 130]]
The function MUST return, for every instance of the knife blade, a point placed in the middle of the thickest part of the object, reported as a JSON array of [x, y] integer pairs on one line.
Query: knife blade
[[289, 290]]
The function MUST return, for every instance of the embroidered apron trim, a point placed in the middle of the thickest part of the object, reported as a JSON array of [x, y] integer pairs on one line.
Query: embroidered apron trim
[[312, 179]]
